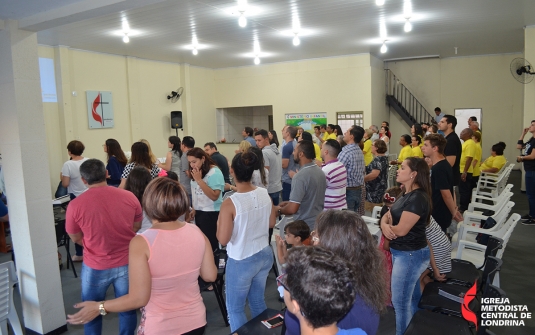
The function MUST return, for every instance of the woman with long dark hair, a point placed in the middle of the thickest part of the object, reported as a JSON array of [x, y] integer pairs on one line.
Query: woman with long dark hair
[[273, 138], [136, 183], [404, 225], [116, 161], [207, 187], [140, 157], [172, 160], [260, 174], [243, 225], [347, 236], [167, 291]]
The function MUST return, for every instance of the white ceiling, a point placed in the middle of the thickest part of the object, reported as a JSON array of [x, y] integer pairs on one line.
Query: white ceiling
[[162, 30]]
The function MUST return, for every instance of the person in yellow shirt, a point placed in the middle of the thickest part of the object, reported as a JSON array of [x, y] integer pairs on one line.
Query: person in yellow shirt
[[406, 151], [496, 161], [416, 147], [416, 129], [328, 133], [467, 156], [308, 137], [367, 150], [476, 162]]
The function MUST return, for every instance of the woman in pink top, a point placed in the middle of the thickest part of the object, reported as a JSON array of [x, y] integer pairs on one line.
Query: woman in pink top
[[168, 288]]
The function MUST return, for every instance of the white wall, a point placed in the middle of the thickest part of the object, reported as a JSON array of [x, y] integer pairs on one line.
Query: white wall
[[468, 82]]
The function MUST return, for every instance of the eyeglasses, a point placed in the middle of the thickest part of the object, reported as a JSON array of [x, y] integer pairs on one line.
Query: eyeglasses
[[281, 280]]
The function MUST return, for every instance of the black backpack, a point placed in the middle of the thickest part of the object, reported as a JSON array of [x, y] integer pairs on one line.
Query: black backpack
[[484, 238]]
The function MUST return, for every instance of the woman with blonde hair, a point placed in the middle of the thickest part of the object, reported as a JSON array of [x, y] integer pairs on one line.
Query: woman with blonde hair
[[367, 149], [153, 158], [243, 147]]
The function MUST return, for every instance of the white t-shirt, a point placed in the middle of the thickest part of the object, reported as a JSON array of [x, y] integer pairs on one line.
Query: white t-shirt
[[71, 169]]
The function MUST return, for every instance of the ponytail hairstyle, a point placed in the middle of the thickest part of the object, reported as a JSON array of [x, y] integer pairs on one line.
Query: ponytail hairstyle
[[260, 164], [243, 165], [498, 148], [175, 141], [423, 180]]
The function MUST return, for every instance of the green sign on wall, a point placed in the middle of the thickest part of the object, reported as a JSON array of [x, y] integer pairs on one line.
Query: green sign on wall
[[306, 121]]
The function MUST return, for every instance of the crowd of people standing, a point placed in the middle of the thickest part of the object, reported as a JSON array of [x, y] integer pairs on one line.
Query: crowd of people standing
[[322, 180]]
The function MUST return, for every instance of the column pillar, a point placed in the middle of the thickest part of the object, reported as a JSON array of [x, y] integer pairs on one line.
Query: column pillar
[[25, 165]]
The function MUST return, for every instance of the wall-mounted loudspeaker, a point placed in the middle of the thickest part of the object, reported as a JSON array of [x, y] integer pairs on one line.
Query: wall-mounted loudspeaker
[[176, 120]]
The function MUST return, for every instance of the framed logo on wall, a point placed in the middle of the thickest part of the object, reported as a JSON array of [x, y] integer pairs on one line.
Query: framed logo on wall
[[99, 109]]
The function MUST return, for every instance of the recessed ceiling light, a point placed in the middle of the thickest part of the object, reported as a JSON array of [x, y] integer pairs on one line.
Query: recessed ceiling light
[[296, 41], [384, 48], [379, 2], [242, 21], [257, 60], [126, 39], [408, 26]]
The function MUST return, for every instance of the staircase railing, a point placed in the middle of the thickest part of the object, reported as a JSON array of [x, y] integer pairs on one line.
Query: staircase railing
[[406, 100]]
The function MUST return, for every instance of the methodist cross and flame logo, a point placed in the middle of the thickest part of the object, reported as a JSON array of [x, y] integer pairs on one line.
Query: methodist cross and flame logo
[[100, 109], [470, 295], [96, 116]]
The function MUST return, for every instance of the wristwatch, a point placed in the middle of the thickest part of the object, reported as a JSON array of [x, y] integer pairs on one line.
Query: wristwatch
[[101, 308]]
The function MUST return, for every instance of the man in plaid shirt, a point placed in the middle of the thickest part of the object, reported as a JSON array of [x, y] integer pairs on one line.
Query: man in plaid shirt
[[353, 159]]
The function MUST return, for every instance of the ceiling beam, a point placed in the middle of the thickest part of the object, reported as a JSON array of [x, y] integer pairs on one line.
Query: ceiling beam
[[81, 10]]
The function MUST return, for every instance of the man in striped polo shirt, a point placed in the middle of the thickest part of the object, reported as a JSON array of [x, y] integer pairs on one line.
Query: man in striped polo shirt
[[336, 175]]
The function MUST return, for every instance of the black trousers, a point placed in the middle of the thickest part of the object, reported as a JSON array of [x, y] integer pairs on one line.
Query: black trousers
[[465, 191], [207, 223]]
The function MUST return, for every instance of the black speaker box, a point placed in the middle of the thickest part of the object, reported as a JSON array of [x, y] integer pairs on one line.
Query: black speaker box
[[176, 120]]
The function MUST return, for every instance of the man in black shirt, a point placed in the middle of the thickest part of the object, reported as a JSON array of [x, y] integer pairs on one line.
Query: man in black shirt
[[221, 161], [444, 208], [453, 148], [529, 167]]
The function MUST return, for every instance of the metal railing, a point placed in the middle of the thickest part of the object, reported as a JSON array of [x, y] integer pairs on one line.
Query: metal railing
[[395, 88]]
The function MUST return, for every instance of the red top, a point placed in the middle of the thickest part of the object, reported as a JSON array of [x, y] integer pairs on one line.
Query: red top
[[105, 215]]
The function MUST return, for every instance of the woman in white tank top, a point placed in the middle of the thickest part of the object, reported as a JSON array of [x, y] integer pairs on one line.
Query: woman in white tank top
[[243, 225]]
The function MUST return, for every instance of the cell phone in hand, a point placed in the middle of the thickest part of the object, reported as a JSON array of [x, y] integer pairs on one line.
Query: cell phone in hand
[[273, 322]]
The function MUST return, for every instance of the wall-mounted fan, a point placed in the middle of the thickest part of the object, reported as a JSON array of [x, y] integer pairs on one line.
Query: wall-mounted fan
[[522, 70], [175, 95]]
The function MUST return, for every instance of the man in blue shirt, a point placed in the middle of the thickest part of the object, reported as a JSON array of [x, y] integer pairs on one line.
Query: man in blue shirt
[[247, 134], [353, 159], [289, 167]]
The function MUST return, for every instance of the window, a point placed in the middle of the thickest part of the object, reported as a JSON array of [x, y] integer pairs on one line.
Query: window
[[348, 119]]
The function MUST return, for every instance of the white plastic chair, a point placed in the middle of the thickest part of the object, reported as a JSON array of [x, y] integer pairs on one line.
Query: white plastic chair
[[492, 184], [474, 252], [470, 227], [8, 278]]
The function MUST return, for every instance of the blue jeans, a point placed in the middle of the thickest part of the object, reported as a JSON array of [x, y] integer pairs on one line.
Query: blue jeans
[[286, 190], [246, 280], [353, 198], [275, 198], [530, 191], [95, 283], [407, 268]]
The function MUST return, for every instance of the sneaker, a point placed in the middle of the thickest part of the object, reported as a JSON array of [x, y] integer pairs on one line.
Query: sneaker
[[526, 217], [530, 222]]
